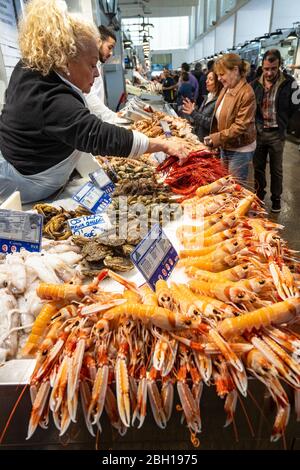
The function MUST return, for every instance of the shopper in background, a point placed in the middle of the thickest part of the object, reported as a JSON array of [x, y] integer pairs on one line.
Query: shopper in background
[[203, 117], [259, 72], [176, 76], [273, 91], [198, 73], [96, 97], [168, 86], [233, 126], [296, 76], [203, 92], [192, 79], [186, 89], [45, 124], [252, 73]]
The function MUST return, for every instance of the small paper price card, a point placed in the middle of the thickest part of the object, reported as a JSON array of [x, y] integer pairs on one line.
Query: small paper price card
[[89, 226]]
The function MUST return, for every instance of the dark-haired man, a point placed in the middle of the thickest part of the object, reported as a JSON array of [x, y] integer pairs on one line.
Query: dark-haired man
[[168, 86], [96, 98], [108, 42], [200, 76], [276, 96], [192, 79]]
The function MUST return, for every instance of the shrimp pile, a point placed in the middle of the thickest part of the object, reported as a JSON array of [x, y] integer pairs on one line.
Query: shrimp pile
[[236, 257], [233, 318], [115, 352]]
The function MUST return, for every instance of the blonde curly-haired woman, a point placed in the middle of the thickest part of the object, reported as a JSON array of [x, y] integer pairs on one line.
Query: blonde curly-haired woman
[[45, 123]]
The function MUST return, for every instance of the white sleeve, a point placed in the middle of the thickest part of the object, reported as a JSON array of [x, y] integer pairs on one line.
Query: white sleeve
[[98, 108], [98, 86], [140, 144], [95, 103]]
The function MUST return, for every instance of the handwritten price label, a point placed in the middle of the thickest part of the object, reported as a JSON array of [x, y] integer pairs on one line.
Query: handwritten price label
[[89, 226]]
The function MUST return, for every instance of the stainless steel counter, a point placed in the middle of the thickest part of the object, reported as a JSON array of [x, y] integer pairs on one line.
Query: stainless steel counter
[[150, 437]]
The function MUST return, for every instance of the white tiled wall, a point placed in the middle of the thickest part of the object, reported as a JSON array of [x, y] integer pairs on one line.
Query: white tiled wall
[[285, 13], [253, 20]]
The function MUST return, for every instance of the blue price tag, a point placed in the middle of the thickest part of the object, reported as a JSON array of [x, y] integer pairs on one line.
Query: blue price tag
[[20, 230], [88, 226], [155, 256], [93, 198], [102, 181]]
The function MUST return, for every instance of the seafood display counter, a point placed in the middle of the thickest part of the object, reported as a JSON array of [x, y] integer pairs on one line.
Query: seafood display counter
[[255, 436], [210, 359]]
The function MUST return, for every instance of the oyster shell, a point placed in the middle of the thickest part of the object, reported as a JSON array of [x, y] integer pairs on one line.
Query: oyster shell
[[118, 263]]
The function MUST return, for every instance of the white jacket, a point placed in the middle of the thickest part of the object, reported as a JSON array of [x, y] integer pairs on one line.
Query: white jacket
[[96, 102]]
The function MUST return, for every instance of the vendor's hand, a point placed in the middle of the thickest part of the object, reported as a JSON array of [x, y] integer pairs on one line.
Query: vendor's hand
[[170, 147], [178, 150], [187, 106]]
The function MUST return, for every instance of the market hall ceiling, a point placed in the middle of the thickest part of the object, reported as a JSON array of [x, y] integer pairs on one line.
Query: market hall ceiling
[[156, 8]]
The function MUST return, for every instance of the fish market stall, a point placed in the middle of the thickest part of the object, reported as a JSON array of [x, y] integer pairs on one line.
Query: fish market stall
[[208, 359]]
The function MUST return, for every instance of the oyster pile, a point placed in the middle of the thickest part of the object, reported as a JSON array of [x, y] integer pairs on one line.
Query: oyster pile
[[119, 168], [105, 251], [139, 195]]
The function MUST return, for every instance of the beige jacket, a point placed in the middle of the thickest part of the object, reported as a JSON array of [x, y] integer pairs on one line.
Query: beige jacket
[[236, 125]]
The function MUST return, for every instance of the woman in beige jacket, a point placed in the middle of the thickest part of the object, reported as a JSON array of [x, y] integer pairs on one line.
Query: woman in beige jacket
[[233, 126]]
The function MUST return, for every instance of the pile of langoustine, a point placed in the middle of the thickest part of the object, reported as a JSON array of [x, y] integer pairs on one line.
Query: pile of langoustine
[[230, 321]]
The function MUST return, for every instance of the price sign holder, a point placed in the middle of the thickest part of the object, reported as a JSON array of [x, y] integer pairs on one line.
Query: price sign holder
[[155, 256], [100, 179], [92, 198], [19, 230]]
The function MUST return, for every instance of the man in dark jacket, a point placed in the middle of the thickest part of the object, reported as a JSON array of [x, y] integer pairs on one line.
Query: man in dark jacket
[[186, 89], [202, 83], [200, 77], [277, 98], [168, 86]]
